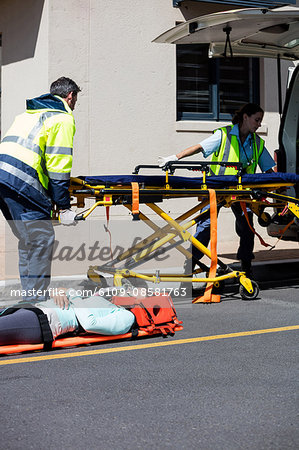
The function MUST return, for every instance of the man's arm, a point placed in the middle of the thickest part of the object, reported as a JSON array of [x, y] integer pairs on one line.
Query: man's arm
[[59, 158]]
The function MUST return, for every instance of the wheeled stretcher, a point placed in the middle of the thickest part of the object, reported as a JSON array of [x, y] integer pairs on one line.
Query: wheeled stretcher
[[259, 192]]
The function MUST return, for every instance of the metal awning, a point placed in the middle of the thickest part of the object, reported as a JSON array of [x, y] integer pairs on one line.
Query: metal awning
[[244, 3]]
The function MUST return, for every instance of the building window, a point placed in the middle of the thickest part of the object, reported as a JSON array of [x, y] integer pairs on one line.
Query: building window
[[213, 88]]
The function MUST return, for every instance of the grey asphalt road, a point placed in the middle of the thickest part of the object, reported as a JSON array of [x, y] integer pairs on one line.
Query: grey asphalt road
[[225, 392]]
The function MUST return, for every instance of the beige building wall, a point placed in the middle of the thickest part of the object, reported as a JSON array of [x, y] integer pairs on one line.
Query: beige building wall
[[24, 29], [126, 112]]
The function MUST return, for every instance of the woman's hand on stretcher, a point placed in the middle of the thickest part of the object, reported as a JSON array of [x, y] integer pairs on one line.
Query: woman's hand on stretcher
[[164, 160], [183, 154]]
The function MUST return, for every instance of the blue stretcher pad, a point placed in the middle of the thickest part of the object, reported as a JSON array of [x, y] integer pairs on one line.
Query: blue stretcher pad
[[214, 182]]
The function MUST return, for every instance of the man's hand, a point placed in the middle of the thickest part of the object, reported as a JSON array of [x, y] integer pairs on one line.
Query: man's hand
[[61, 299], [163, 160], [67, 217]]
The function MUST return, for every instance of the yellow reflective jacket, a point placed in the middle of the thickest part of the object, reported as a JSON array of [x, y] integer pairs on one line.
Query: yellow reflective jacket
[[229, 151], [36, 152]]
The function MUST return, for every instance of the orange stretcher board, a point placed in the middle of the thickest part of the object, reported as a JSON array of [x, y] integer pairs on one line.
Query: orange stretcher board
[[78, 341]]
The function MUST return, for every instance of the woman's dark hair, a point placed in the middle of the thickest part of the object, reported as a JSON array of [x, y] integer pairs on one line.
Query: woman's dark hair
[[63, 86], [249, 109]]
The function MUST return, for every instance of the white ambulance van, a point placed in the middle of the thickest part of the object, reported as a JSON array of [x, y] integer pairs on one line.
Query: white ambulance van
[[264, 33]]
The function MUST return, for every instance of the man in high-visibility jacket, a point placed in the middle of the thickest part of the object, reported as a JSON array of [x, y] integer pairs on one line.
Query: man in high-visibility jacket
[[235, 143], [35, 166]]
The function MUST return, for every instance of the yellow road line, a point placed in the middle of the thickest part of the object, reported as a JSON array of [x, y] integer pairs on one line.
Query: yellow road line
[[144, 346]]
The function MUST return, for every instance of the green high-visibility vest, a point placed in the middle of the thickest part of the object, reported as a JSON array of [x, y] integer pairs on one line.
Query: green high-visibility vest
[[43, 140], [229, 151]]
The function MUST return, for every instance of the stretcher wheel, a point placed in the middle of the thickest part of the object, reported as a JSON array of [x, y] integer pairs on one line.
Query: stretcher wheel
[[247, 295], [264, 220]]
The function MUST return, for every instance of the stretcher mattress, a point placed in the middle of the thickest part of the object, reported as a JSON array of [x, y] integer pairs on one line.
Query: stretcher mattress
[[214, 182]]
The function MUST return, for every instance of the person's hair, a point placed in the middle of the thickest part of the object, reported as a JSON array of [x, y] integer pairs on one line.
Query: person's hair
[[249, 109], [63, 86]]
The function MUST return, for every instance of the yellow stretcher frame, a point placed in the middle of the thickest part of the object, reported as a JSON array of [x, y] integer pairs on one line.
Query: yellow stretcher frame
[[178, 227]]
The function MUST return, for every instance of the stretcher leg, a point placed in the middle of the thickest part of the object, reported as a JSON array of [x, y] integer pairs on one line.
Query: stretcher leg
[[178, 230], [208, 296], [184, 235], [146, 245]]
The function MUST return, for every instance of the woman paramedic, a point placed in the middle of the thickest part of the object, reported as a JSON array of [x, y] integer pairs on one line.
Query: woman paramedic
[[237, 142]]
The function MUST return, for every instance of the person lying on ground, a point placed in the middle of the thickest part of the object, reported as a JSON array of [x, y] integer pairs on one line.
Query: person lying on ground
[[72, 315]]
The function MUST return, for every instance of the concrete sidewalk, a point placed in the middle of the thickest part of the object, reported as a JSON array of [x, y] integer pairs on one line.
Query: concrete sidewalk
[[276, 267]]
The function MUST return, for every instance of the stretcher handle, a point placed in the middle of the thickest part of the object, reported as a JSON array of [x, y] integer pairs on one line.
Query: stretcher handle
[[145, 166], [259, 194], [79, 217], [200, 165], [84, 191]]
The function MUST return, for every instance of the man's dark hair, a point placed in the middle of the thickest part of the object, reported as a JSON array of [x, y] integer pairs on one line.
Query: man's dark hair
[[63, 86]]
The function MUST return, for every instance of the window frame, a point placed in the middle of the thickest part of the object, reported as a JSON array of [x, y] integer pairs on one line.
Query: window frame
[[215, 113]]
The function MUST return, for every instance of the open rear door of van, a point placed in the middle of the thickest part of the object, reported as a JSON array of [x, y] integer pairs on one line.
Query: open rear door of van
[[256, 32]]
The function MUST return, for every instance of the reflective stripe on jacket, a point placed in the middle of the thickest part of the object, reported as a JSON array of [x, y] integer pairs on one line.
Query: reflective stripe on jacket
[[36, 152], [229, 151]]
